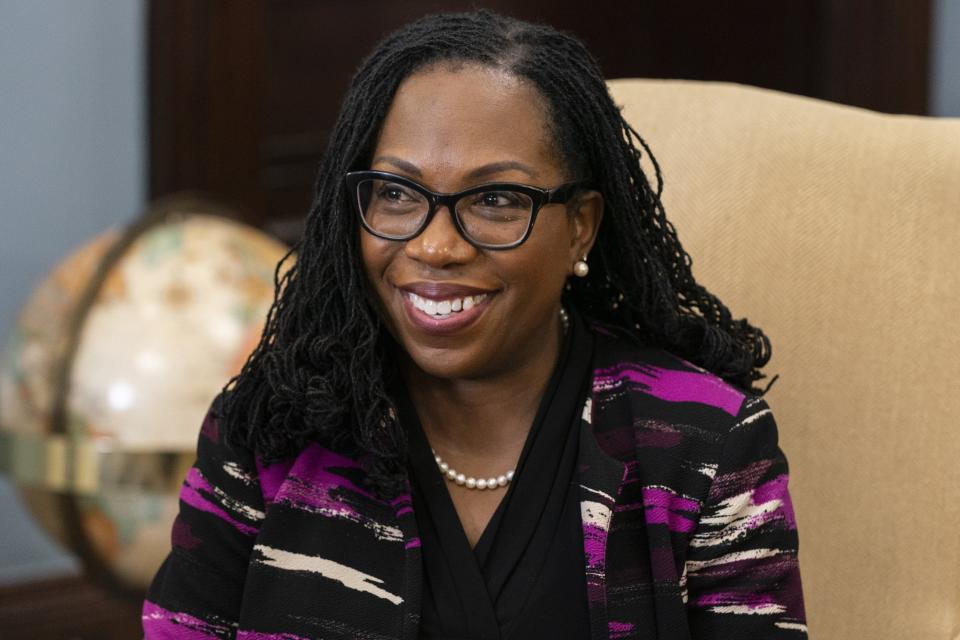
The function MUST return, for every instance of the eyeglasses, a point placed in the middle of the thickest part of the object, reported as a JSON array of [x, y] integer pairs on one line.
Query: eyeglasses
[[490, 216]]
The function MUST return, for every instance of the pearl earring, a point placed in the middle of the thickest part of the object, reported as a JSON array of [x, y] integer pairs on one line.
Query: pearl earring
[[581, 268]]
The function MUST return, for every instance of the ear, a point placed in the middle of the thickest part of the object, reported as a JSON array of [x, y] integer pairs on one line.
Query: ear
[[586, 213]]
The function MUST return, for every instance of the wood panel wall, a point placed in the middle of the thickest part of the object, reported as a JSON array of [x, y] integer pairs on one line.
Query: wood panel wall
[[243, 94]]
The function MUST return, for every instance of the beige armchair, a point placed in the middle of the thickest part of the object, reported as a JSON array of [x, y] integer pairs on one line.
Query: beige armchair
[[837, 230]]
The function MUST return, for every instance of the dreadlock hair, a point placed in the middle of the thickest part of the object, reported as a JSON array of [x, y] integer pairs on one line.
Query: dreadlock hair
[[321, 369]]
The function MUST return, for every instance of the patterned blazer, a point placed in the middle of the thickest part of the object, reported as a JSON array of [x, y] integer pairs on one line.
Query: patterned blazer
[[688, 529]]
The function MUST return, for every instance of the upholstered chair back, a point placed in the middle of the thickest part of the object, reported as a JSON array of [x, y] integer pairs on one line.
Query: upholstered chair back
[[837, 230]]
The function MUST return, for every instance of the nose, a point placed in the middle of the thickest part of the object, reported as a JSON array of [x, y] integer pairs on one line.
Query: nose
[[440, 244]]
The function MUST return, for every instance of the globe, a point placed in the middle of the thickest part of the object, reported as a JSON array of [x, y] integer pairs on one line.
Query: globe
[[110, 369]]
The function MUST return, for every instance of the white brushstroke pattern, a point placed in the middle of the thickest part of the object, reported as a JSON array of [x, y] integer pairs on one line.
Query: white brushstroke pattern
[[347, 576], [383, 532], [587, 409], [236, 506], [694, 566], [746, 609], [595, 513], [230, 503], [733, 516], [751, 419], [684, 594], [793, 626], [598, 492], [708, 469], [233, 470]]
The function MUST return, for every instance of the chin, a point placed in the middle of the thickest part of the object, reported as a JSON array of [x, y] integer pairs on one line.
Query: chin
[[448, 363]]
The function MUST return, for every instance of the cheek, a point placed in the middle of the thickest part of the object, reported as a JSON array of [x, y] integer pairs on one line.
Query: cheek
[[377, 255], [552, 248], [542, 270]]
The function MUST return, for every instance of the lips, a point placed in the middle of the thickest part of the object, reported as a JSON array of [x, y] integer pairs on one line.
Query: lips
[[442, 308]]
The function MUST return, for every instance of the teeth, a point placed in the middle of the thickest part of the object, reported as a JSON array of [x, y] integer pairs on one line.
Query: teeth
[[444, 308]]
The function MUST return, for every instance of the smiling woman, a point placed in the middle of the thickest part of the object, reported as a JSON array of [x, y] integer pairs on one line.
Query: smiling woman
[[490, 400], [454, 129]]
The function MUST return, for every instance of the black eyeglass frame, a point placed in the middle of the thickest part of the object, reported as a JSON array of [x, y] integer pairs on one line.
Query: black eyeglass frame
[[538, 197]]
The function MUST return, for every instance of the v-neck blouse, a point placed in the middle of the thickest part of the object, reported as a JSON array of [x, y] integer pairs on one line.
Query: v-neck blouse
[[525, 577]]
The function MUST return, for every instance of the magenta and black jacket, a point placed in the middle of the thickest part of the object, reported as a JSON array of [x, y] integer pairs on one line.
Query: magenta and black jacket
[[687, 526]]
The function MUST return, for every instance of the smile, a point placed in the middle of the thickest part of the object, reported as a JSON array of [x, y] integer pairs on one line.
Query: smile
[[445, 308], [449, 309]]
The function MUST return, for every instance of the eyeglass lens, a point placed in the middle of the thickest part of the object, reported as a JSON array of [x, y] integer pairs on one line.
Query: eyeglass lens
[[496, 217]]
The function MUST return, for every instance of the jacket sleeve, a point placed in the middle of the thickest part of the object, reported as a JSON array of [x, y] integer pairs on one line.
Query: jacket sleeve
[[198, 589], [742, 572]]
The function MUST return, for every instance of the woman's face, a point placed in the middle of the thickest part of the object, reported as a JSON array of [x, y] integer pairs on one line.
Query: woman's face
[[449, 130]]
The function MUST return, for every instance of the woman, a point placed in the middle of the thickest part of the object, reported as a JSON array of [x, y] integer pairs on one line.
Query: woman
[[490, 400]]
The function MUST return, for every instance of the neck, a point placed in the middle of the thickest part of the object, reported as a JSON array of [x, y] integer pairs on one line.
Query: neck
[[482, 417]]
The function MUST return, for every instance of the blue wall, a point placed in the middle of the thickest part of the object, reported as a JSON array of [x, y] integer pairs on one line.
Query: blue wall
[[945, 71], [72, 163]]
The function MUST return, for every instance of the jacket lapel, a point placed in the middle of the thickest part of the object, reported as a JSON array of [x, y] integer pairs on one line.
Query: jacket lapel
[[600, 478], [413, 567]]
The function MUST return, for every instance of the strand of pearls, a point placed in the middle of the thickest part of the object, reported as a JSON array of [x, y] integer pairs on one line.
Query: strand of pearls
[[469, 481]]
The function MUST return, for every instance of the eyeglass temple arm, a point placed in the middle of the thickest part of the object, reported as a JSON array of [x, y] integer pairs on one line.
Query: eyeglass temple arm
[[562, 193]]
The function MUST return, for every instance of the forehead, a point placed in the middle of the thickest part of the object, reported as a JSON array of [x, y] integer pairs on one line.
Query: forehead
[[450, 119]]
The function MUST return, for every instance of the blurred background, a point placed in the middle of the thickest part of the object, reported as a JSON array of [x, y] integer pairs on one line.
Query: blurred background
[[108, 105]]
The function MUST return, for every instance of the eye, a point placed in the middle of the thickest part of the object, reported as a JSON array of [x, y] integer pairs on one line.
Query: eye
[[500, 200], [393, 192]]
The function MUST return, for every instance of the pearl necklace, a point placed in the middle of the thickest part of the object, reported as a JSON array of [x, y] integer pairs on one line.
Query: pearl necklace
[[469, 481], [486, 483]]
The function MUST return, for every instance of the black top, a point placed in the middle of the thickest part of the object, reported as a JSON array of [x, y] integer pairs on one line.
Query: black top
[[525, 577]]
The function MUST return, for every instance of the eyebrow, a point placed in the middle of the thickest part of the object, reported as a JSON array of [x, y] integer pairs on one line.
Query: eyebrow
[[403, 165], [473, 174]]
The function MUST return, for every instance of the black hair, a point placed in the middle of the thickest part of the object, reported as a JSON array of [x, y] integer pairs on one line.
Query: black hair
[[322, 367]]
